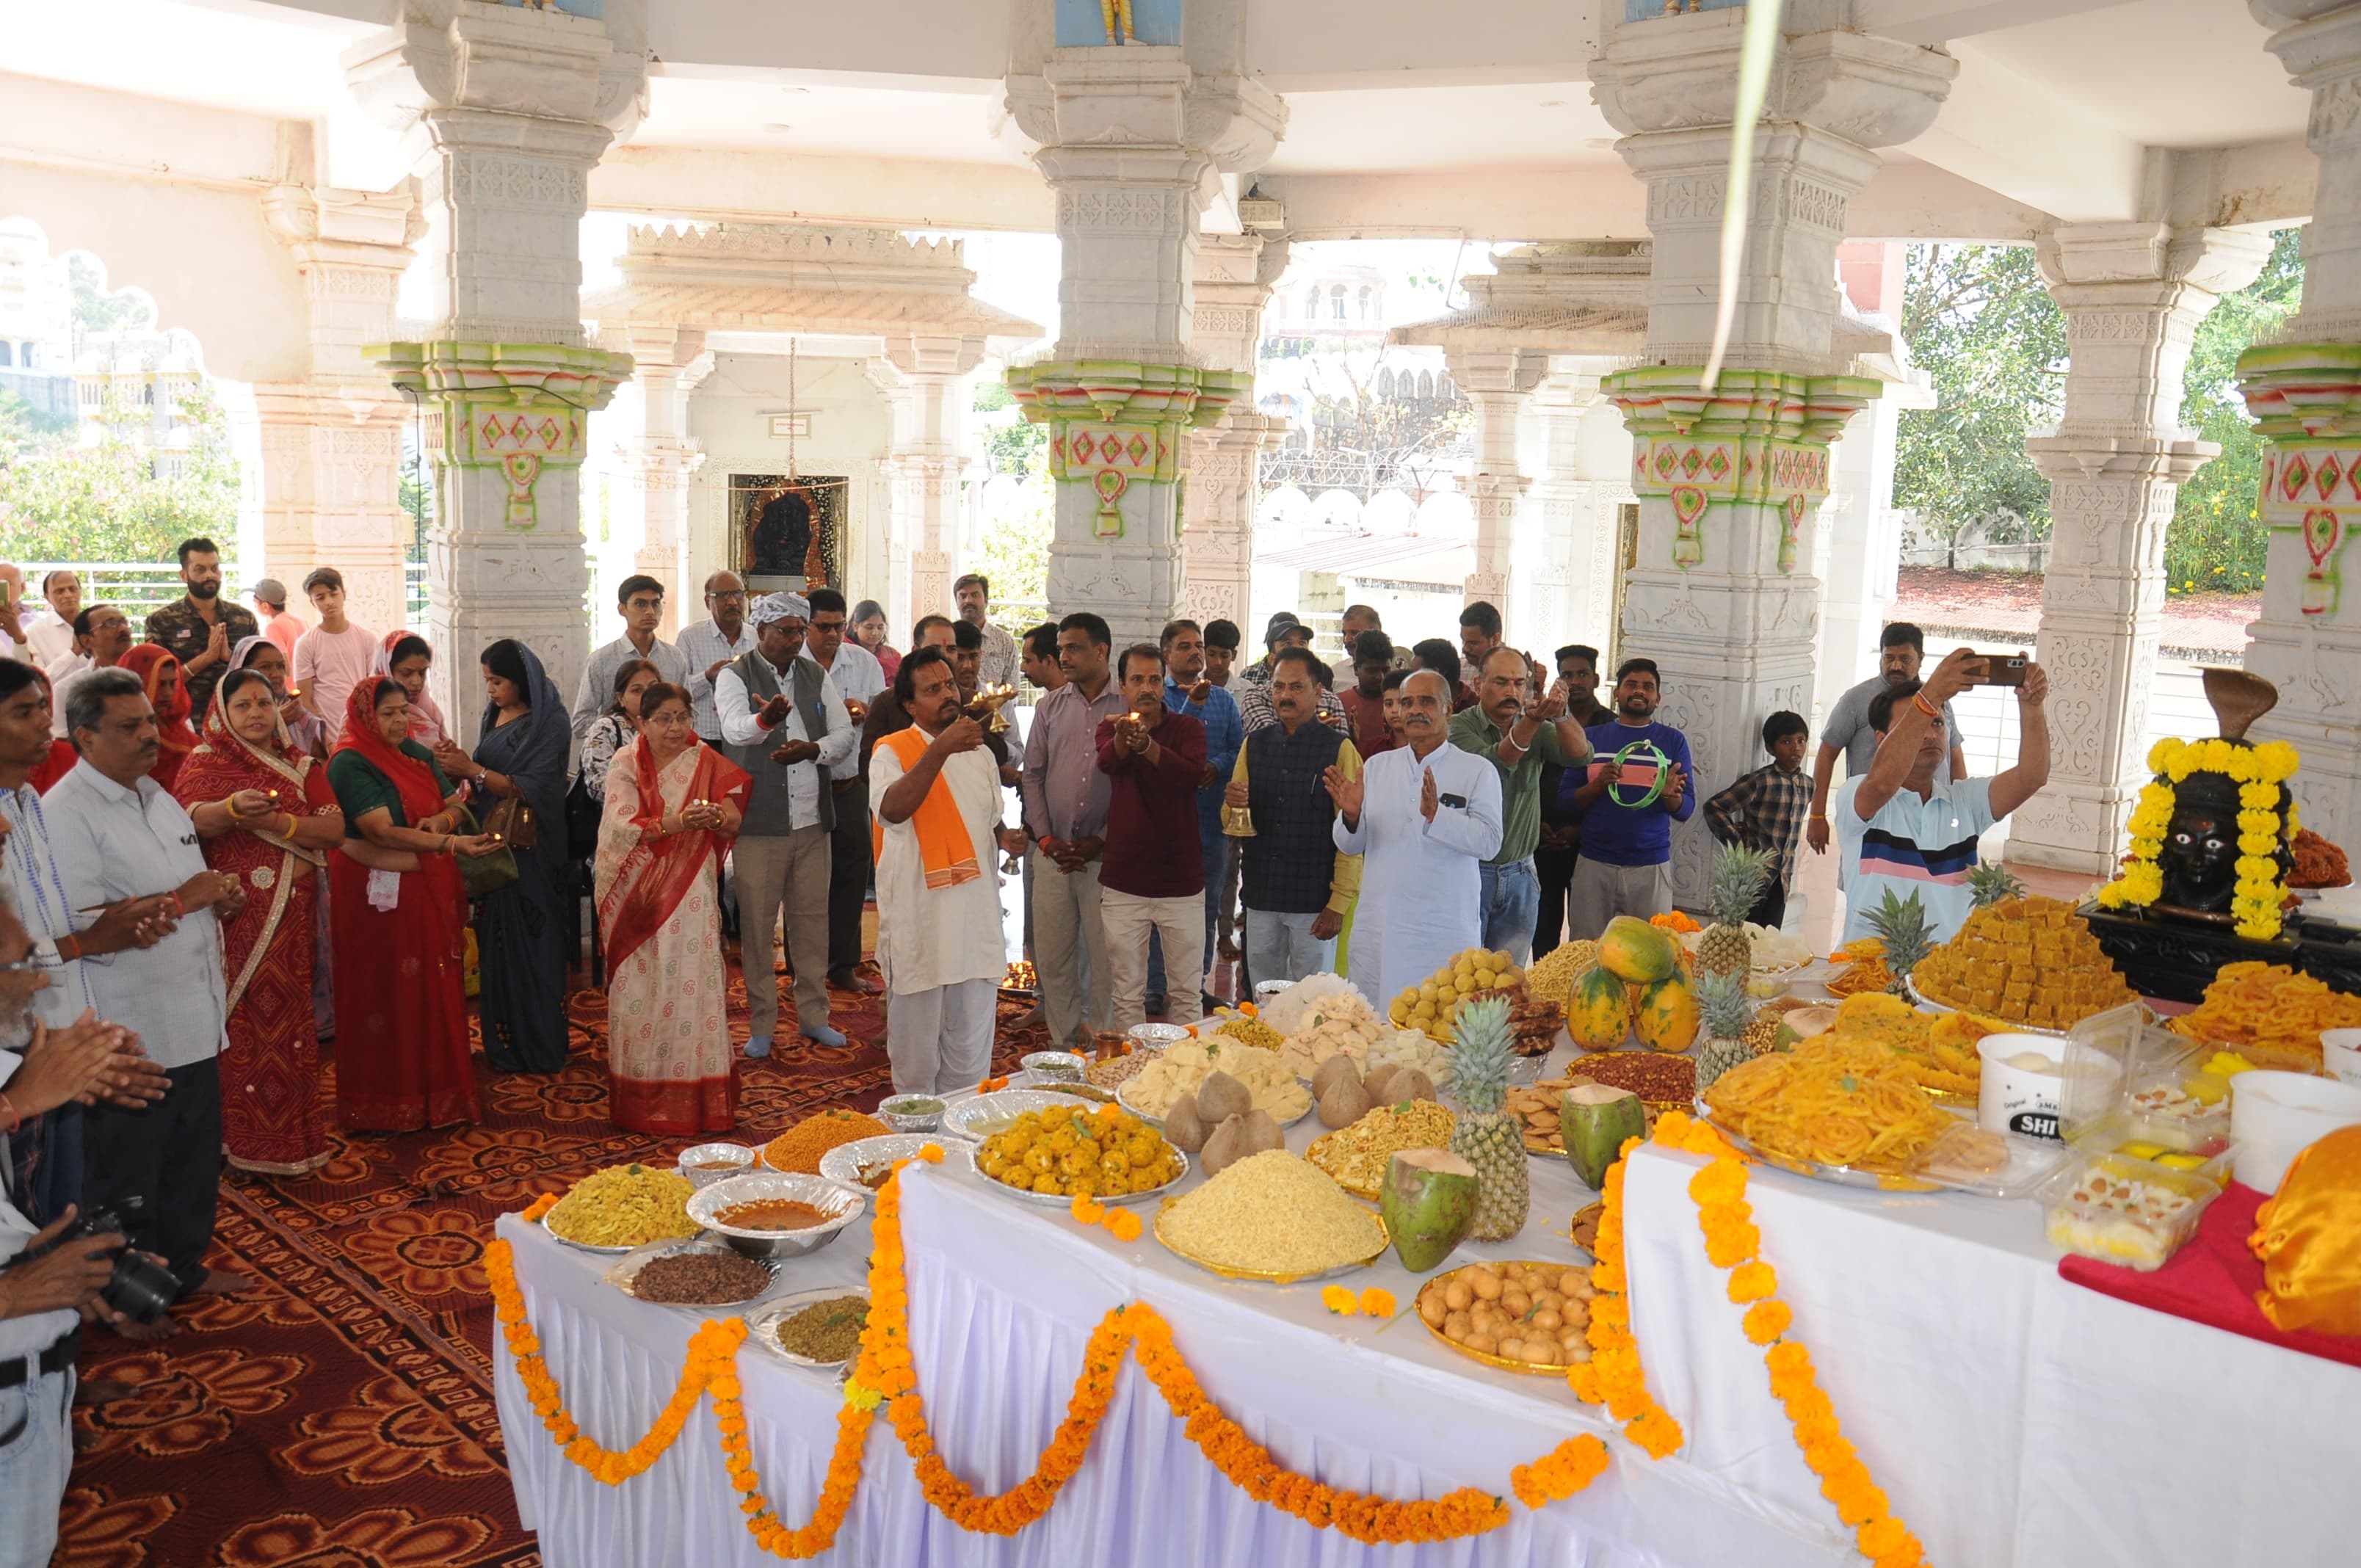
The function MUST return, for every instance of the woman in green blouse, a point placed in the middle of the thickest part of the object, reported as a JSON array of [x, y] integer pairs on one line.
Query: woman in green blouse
[[397, 908]]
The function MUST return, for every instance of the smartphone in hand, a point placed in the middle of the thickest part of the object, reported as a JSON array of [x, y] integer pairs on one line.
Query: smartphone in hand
[[2004, 669]]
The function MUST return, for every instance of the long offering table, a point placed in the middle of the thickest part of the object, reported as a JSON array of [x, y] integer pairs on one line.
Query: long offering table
[[2011, 1418]]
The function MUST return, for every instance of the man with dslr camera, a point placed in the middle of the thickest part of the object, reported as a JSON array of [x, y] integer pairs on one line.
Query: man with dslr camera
[[49, 1285]]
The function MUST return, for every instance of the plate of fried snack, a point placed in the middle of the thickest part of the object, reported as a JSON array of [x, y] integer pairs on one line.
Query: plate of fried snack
[[1848, 1110]]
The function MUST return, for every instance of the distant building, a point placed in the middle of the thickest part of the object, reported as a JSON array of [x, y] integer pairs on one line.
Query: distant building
[[140, 380], [36, 319]]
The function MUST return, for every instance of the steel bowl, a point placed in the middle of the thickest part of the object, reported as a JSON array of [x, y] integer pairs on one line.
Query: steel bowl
[[842, 1164], [977, 1119], [732, 1160], [1156, 1037], [911, 1121], [1054, 1066], [841, 1205]]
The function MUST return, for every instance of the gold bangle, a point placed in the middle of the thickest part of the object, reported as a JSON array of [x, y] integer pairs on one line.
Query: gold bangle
[[229, 804]]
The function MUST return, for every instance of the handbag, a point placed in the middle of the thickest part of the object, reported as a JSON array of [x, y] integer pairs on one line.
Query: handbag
[[582, 818], [485, 873], [513, 822]]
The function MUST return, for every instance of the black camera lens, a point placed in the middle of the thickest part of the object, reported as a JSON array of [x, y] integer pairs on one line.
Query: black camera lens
[[140, 1289]]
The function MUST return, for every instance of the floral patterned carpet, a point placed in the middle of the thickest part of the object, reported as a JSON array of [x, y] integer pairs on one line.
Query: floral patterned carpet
[[341, 1413]]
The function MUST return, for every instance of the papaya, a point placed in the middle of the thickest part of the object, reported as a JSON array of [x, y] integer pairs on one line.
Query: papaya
[[1634, 950], [1666, 1016], [1597, 1013]]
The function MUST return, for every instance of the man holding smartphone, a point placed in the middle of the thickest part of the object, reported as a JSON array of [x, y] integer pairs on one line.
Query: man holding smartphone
[[1903, 826], [1902, 650]]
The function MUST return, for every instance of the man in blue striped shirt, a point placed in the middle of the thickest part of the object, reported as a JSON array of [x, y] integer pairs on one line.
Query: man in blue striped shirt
[[1901, 827]]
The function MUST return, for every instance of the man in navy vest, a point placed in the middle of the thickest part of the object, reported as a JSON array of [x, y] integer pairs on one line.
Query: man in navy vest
[[787, 725], [1297, 886]]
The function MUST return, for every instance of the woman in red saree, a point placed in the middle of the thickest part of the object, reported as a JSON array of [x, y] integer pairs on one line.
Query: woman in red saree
[[268, 817], [62, 756], [395, 915], [168, 694], [672, 807]]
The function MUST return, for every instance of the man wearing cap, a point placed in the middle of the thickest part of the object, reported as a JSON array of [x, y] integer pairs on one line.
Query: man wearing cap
[[787, 725], [269, 597], [1251, 686]]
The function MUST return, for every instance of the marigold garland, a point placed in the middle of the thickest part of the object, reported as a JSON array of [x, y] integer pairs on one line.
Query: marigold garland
[[884, 1377], [1732, 1242], [2263, 827]]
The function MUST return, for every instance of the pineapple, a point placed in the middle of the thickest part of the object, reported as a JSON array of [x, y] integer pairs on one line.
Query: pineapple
[[1901, 925], [1488, 1136], [1738, 875], [1990, 884], [1721, 1004]]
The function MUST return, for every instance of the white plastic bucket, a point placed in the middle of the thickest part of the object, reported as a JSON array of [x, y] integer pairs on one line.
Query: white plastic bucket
[[2340, 1054], [2016, 1098], [2275, 1116]]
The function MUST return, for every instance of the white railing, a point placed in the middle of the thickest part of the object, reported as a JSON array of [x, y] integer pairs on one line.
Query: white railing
[[139, 587]]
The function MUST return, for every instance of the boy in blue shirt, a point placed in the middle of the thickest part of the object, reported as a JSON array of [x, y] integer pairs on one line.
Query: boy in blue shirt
[[1627, 853]]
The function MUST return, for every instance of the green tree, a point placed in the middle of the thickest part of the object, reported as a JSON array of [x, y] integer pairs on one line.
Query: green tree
[[108, 502], [95, 309], [1979, 321], [2216, 541], [1014, 554]]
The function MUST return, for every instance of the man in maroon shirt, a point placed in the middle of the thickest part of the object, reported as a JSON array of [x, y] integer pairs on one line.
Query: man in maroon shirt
[[1151, 874]]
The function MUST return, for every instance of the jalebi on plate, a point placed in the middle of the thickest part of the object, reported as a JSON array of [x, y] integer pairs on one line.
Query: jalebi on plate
[[1829, 1102], [2271, 1011], [1938, 1049]]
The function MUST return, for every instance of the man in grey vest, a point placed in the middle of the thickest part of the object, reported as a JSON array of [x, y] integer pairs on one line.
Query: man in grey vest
[[787, 726]]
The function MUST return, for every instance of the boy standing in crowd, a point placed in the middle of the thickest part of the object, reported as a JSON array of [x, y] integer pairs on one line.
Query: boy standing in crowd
[[1765, 810]]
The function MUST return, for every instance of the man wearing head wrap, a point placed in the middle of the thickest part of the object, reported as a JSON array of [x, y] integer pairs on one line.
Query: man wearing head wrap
[[784, 723]]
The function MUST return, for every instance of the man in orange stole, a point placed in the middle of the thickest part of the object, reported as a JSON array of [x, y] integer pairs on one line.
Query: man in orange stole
[[939, 943]]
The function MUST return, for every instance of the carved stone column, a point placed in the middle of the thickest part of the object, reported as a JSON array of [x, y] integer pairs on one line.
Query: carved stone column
[[1723, 596], [667, 363], [1133, 139], [1496, 382], [1569, 559], [331, 445], [2133, 294], [2302, 390], [1235, 274], [508, 108], [928, 389]]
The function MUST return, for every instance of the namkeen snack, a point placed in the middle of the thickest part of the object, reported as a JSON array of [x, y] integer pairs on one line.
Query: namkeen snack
[[1830, 1102], [2317, 863], [799, 1147], [1271, 1213], [1864, 961], [2030, 962], [2268, 1007], [1552, 975], [1246, 1026], [624, 1205], [1357, 1155]]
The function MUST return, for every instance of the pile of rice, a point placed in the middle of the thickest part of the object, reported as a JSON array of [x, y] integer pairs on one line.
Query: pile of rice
[[1272, 1213]]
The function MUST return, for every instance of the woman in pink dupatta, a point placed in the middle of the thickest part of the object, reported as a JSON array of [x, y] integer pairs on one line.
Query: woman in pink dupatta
[[407, 656], [673, 804]]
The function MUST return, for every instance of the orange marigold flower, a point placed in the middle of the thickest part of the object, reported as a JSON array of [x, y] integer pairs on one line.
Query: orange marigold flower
[[1122, 1224], [931, 1153], [1377, 1303], [1788, 1356], [1086, 1208], [1766, 1320], [1722, 1182], [1752, 1282], [1340, 1300]]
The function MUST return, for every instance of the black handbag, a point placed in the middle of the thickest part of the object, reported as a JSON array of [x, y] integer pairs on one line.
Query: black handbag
[[582, 817]]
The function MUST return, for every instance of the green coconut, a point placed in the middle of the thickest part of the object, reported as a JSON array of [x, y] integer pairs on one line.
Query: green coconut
[[1595, 1119], [1428, 1198]]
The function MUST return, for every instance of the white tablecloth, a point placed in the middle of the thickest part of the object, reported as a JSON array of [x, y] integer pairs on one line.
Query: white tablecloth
[[2012, 1418]]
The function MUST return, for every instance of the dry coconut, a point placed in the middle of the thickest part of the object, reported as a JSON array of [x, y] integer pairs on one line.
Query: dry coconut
[[1272, 1213]]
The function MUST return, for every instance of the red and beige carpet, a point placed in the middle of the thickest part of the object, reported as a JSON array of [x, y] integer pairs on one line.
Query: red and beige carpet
[[341, 1412]]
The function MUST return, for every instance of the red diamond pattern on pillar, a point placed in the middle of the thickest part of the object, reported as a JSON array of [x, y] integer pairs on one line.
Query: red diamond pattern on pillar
[[1718, 465], [551, 433], [1137, 448], [1085, 445], [518, 428], [2297, 474], [489, 433], [1665, 459]]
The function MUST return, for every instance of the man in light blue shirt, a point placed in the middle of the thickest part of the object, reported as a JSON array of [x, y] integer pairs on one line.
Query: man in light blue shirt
[[711, 644], [117, 834], [640, 601]]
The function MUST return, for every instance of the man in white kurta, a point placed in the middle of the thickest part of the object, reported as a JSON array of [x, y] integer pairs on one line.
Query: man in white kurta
[[939, 933], [1425, 816]]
